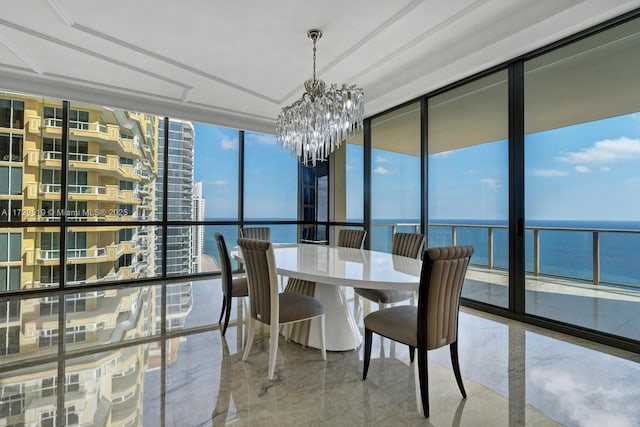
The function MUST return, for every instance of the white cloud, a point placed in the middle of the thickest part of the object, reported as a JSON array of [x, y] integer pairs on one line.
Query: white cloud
[[259, 138], [380, 159], [550, 172], [605, 169], [349, 167], [380, 170], [607, 150], [635, 116], [582, 169], [217, 182], [490, 182], [228, 144], [469, 172]]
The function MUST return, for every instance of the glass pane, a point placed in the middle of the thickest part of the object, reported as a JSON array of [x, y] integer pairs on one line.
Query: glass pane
[[210, 258], [111, 315], [15, 252], [582, 169], [180, 251], [113, 164], [216, 172], [395, 179], [108, 253], [271, 180], [468, 181], [126, 372], [347, 195]]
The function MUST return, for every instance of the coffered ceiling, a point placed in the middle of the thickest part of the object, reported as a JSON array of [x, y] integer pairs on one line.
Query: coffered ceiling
[[237, 63]]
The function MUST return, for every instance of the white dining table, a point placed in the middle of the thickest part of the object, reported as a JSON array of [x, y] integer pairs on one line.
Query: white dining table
[[332, 268]]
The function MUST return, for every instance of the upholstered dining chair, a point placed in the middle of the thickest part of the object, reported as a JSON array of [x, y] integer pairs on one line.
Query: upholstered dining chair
[[258, 233], [269, 307], [351, 238], [434, 322], [404, 244], [231, 288]]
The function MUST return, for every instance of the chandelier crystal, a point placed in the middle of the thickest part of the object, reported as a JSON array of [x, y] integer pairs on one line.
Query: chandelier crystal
[[316, 124]]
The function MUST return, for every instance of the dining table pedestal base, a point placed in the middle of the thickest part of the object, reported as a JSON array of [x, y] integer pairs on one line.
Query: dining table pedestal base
[[341, 330]]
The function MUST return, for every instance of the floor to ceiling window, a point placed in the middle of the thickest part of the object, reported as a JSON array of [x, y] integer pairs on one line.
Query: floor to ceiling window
[[468, 181], [582, 172], [347, 184], [395, 177], [270, 186], [216, 191]]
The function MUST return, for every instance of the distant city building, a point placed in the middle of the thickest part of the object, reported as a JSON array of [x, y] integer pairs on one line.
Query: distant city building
[[198, 231], [180, 239], [112, 173]]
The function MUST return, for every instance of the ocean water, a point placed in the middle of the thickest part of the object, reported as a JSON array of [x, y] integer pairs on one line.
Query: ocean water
[[565, 253]]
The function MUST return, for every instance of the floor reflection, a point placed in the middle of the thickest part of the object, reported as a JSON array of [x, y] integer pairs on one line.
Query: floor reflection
[[116, 366]]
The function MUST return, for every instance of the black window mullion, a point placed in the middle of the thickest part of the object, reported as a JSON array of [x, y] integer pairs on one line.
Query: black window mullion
[[165, 201], [64, 168], [367, 181], [516, 188], [424, 165], [240, 179]]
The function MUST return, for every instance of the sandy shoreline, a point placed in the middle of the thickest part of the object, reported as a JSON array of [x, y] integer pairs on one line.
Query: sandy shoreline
[[208, 263]]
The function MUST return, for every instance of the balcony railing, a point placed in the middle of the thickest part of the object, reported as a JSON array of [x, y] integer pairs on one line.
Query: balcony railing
[[487, 243], [73, 253], [88, 158], [75, 124], [88, 189]]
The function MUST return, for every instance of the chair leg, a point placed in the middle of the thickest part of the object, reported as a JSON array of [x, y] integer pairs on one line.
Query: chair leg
[[411, 353], [224, 305], [251, 331], [423, 374], [228, 300], [323, 348], [274, 333], [456, 367], [368, 337]]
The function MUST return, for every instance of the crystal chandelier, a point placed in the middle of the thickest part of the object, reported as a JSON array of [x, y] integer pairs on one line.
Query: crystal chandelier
[[316, 124]]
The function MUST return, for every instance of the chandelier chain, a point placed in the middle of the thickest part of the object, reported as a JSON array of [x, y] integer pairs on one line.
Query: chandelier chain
[[316, 125], [314, 58]]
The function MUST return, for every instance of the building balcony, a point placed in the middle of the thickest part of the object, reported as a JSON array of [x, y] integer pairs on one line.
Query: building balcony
[[77, 256], [108, 164]]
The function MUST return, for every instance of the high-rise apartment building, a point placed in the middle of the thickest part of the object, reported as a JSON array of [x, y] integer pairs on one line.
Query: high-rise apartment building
[[112, 168], [112, 172], [198, 231], [179, 204]]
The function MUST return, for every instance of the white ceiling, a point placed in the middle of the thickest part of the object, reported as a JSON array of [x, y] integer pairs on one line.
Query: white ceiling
[[237, 63]]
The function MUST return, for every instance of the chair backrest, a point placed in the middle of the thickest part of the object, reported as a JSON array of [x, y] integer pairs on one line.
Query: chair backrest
[[260, 263], [407, 244], [258, 233], [441, 280], [351, 238], [225, 265]]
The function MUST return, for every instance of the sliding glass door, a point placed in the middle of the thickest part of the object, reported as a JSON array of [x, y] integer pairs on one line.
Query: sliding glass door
[[468, 181], [582, 174]]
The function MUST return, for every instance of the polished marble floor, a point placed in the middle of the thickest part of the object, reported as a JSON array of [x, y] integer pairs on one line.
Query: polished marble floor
[[127, 373]]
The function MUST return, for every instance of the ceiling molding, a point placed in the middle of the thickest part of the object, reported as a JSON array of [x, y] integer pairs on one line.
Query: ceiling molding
[[422, 37], [64, 16], [172, 62], [30, 83], [97, 55], [468, 49], [357, 45], [21, 55]]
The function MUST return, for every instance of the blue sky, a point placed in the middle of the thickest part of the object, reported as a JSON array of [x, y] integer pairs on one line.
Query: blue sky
[[589, 171]]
